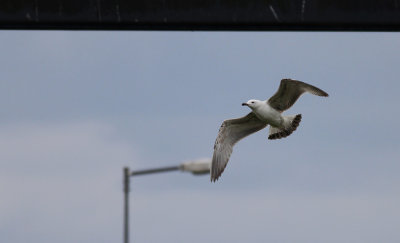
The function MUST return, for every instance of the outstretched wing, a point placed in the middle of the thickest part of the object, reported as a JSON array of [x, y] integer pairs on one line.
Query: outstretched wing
[[289, 91], [230, 132]]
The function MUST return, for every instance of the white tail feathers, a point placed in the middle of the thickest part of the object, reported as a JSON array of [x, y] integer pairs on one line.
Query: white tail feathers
[[290, 124]]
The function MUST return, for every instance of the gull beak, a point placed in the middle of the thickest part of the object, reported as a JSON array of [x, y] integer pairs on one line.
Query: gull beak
[[245, 104]]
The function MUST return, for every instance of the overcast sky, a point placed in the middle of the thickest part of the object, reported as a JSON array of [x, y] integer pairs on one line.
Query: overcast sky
[[75, 107]]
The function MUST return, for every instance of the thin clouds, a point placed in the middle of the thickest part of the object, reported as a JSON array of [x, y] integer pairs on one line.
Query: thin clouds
[[164, 95], [59, 178], [265, 217]]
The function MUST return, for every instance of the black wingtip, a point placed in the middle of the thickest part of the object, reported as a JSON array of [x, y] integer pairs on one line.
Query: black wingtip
[[284, 133], [213, 180]]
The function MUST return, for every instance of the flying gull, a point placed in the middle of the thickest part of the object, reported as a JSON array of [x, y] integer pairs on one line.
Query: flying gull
[[267, 112]]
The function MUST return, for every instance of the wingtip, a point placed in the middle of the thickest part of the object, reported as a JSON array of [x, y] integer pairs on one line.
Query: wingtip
[[215, 177], [284, 133]]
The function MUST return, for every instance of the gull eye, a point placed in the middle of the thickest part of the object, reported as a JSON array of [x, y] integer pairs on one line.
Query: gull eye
[[252, 102]]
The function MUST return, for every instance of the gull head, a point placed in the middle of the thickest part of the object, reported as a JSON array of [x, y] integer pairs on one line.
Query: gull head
[[252, 104]]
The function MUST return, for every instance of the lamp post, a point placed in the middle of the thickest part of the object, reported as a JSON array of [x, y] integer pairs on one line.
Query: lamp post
[[196, 167]]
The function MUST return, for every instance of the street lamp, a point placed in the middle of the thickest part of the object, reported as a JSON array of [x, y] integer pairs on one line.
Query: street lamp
[[196, 167]]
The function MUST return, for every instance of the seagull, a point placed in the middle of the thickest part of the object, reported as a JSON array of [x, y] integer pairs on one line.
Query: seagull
[[264, 113]]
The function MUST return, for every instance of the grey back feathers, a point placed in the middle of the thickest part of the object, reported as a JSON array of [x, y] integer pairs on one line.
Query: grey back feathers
[[289, 91]]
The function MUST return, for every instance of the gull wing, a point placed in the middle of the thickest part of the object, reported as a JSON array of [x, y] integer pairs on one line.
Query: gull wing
[[289, 91], [230, 132]]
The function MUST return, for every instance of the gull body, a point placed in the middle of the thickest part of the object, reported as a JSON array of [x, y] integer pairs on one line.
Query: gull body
[[263, 113]]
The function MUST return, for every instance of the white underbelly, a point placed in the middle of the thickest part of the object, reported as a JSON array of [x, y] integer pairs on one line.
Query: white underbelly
[[269, 115]]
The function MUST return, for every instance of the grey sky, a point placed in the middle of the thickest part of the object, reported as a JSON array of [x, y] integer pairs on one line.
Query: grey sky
[[75, 107]]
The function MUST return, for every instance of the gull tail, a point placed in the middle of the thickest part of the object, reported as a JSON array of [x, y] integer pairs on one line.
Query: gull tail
[[290, 124]]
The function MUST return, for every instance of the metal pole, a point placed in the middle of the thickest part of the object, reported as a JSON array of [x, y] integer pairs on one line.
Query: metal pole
[[126, 174], [156, 170]]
